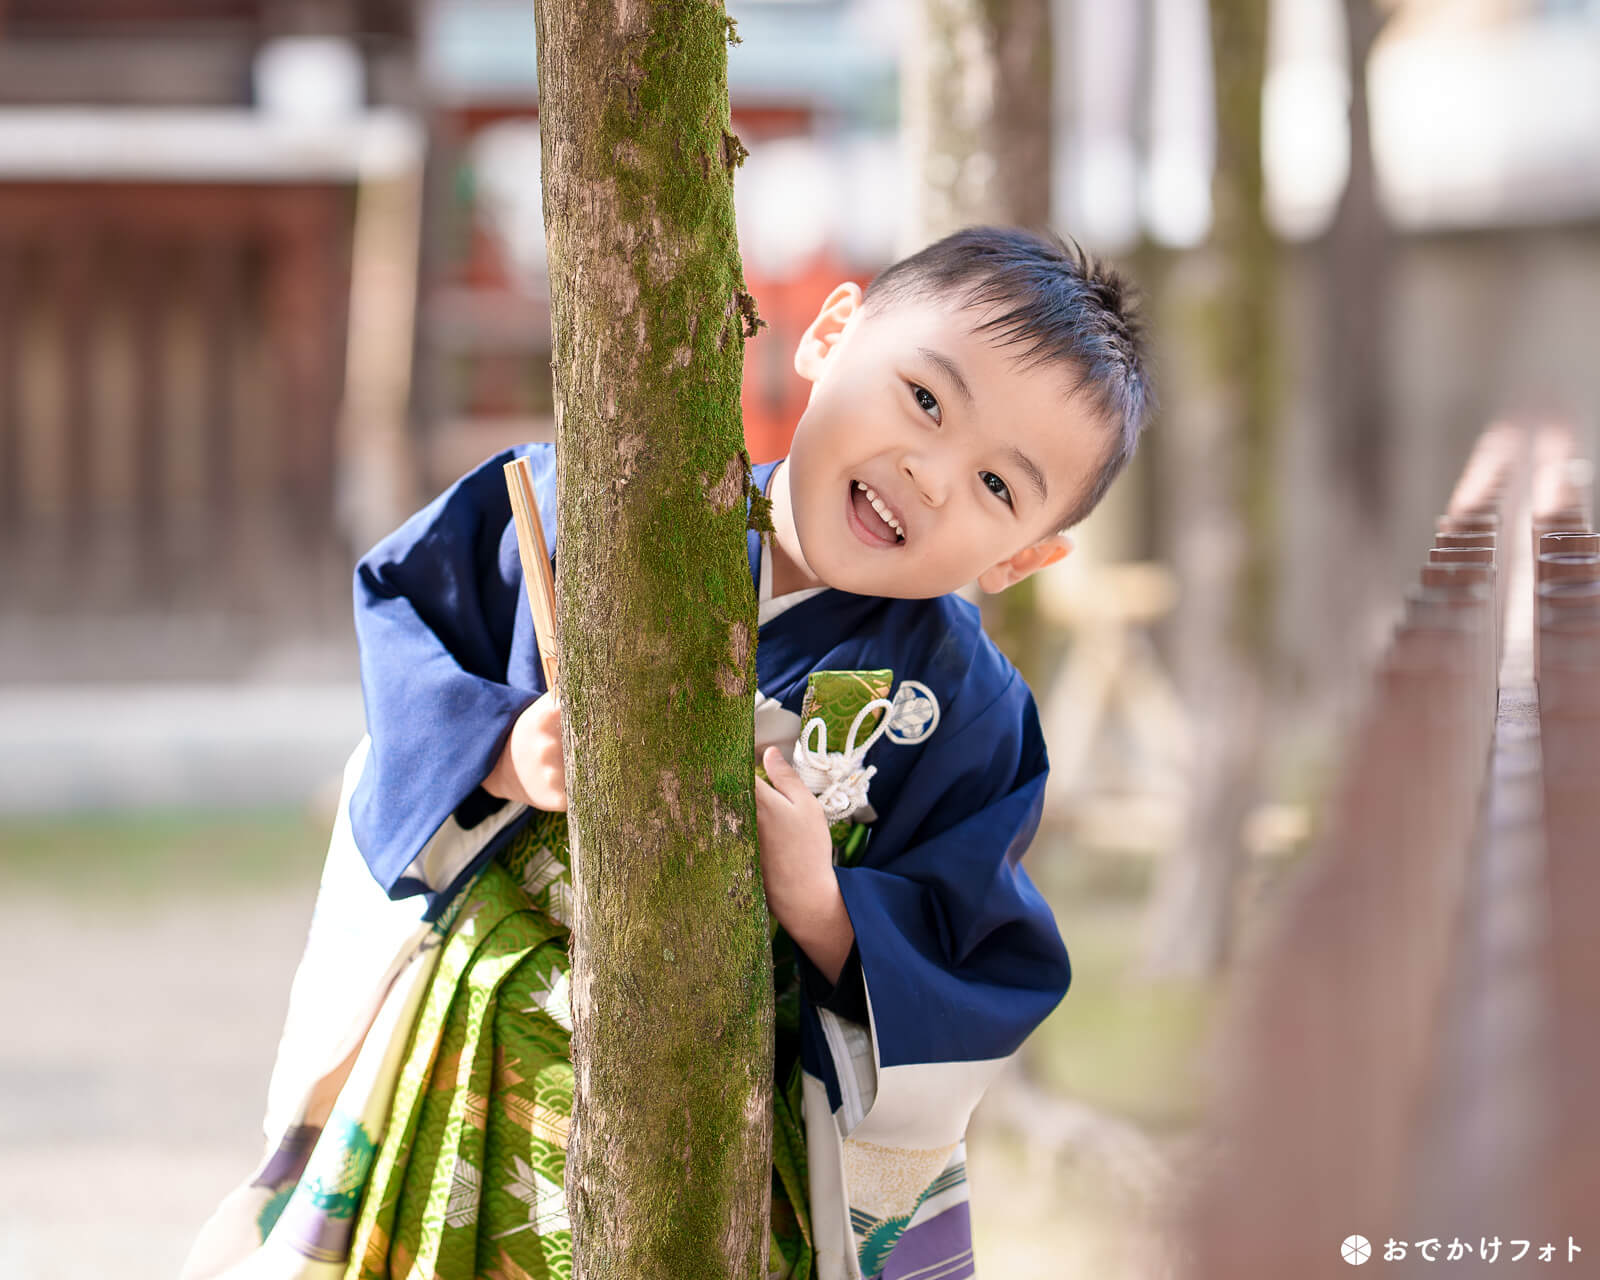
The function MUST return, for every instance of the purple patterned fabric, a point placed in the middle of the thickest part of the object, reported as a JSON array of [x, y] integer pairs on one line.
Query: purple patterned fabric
[[938, 1249]]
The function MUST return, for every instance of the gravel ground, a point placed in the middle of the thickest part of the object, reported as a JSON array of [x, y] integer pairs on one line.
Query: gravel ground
[[134, 1069], [133, 1073]]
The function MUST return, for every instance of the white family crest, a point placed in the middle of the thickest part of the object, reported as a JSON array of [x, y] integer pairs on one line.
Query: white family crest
[[915, 714]]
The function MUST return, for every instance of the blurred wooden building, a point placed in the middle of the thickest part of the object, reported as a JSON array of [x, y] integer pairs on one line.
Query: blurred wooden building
[[175, 245], [271, 272]]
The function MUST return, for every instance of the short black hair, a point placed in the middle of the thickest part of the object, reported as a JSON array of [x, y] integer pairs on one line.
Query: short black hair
[[1061, 305]]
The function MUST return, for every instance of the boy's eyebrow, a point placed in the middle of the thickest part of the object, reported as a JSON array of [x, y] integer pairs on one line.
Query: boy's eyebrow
[[1035, 476], [951, 371]]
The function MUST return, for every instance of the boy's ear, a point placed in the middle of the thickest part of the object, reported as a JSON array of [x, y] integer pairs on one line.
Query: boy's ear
[[824, 332], [1032, 558]]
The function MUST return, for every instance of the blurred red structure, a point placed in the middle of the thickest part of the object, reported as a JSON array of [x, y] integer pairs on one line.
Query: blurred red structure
[[774, 394]]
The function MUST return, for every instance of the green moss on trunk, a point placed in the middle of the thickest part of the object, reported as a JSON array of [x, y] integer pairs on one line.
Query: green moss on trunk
[[668, 1171]]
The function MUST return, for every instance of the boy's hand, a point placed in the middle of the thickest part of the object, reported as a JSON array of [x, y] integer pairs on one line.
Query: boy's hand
[[797, 867], [530, 769]]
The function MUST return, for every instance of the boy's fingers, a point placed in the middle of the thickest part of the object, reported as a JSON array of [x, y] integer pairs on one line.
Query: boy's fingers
[[783, 776]]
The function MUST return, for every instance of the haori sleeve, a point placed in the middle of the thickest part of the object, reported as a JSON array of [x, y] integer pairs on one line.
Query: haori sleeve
[[960, 961], [448, 661], [960, 955], [847, 997]]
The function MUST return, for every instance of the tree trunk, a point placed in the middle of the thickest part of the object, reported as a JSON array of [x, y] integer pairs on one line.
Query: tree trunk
[[1355, 262], [976, 105], [975, 98], [668, 1171], [1221, 487]]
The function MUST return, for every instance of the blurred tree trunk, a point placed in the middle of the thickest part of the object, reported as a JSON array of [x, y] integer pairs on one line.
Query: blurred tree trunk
[[975, 101], [1221, 312], [668, 1171], [1354, 263]]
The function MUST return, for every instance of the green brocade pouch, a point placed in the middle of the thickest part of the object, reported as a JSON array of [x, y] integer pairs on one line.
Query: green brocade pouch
[[837, 698]]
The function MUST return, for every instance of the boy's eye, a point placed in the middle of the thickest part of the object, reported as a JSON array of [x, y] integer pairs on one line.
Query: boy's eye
[[925, 400], [996, 486]]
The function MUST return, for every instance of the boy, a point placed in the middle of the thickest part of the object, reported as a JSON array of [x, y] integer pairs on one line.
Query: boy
[[976, 400]]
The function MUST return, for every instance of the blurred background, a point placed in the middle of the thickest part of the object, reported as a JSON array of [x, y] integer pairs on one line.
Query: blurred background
[[272, 273]]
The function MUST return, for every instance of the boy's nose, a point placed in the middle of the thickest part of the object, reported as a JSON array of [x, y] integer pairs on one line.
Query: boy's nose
[[927, 480]]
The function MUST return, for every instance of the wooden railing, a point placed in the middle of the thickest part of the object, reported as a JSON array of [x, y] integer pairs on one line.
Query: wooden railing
[[1411, 1053]]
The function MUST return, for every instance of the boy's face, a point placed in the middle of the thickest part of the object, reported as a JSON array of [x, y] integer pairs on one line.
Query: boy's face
[[975, 457]]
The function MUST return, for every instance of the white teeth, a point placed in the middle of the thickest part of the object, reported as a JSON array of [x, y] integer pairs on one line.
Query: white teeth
[[881, 507]]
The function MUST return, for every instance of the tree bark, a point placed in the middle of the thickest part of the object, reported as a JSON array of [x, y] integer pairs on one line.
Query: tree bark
[[668, 1171], [1223, 303]]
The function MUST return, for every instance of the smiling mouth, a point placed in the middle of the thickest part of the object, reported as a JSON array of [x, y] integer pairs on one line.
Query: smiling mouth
[[871, 525]]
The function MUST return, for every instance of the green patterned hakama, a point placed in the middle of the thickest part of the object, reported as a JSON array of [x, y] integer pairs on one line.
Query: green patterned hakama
[[470, 1178], [438, 1146]]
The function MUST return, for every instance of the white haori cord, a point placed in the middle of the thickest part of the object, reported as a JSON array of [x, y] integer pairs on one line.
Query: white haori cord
[[839, 778]]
